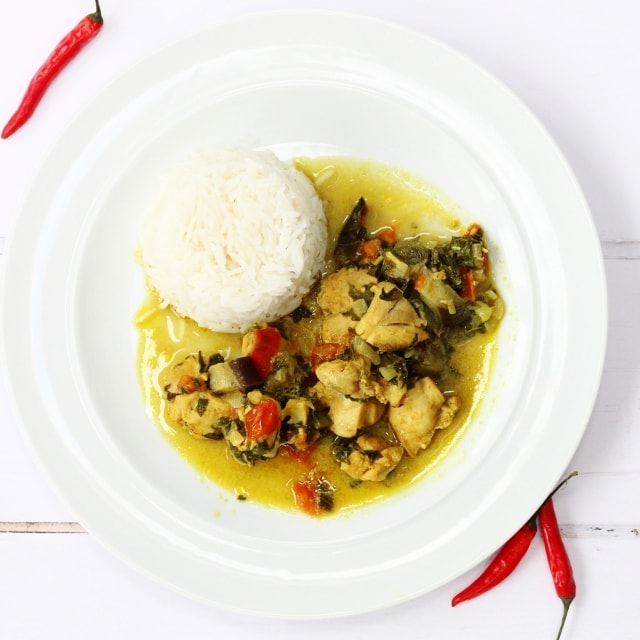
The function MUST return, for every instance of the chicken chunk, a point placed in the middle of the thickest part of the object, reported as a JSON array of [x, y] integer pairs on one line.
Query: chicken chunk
[[391, 393], [436, 293], [339, 289], [200, 413], [353, 378], [337, 327], [298, 411], [447, 412], [373, 458], [421, 413], [297, 430], [390, 323], [187, 376], [348, 416], [349, 377]]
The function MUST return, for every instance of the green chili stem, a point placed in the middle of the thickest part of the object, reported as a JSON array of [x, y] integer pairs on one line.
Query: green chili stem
[[566, 603]]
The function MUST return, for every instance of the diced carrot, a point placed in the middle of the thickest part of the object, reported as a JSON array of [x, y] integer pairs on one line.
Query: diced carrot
[[472, 229], [419, 280], [369, 249], [469, 292], [388, 235], [189, 384]]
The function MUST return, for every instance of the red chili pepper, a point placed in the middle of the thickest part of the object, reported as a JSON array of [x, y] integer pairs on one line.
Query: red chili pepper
[[505, 561], [559, 563], [508, 558], [64, 52]]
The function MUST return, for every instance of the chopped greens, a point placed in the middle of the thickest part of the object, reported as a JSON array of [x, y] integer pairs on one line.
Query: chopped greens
[[357, 364]]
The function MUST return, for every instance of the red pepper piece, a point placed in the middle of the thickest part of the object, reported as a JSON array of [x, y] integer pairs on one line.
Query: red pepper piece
[[64, 52], [303, 456], [326, 351], [469, 291], [313, 493], [262, 419], [304, 496], [559, 563], [261, 346], [502, 565]]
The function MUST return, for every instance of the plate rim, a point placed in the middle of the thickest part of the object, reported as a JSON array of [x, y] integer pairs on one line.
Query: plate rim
[[11, 258]]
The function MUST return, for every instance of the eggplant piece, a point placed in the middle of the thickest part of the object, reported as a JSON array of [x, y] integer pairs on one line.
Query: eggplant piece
[[222, 379], [395, 270], [245, 371], [411, 252], [429, 358]]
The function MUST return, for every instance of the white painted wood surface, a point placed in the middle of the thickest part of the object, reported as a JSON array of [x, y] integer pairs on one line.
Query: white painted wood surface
[[577, 64]]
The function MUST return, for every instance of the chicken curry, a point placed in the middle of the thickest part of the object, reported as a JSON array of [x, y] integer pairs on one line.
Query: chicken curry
[[360, 390]]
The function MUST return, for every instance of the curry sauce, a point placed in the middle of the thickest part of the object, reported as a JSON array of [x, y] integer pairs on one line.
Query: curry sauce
[[395, 201]]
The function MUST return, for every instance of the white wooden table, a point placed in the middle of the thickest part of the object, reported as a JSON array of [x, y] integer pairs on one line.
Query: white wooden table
[[577, 64]]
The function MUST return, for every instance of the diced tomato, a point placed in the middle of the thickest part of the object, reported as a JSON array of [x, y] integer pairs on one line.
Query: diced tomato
[[304, 496], [313, 493], [388, 235], [369, 249], [262, 419], [326, 351], [303, 456], [261, 346]]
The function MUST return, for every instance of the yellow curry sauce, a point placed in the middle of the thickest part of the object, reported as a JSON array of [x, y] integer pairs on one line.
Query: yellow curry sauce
[[394, 199]]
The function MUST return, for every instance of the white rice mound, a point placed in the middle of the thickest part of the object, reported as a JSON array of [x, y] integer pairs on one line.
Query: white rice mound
[[235, 238]]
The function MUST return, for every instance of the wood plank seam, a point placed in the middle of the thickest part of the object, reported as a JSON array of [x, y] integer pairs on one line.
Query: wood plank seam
[[41, 527]]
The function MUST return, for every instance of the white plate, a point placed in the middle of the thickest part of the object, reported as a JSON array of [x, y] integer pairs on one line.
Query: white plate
[[299, 83]]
